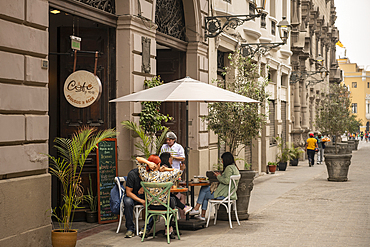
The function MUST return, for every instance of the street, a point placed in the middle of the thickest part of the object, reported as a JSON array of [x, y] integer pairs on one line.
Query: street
[[296, 207]]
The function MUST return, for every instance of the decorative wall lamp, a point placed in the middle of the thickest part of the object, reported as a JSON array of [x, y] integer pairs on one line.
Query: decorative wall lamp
[[296, 76], [214, 26], [251, 49]]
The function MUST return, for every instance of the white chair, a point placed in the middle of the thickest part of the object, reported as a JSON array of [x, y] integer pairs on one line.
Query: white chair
[[226, 202], [137, 209]]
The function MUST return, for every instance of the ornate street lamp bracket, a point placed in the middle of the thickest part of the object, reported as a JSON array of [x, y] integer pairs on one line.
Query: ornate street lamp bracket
[[214, 26], [252, 49]]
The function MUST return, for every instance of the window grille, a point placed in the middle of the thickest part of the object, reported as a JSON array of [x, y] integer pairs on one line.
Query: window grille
[[105, 5], [169, 17]]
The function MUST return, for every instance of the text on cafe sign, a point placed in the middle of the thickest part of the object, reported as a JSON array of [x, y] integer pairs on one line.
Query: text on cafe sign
[[82, 88]]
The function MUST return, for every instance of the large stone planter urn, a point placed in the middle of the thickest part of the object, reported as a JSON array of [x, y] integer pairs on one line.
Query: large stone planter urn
[[245, 187], [356, 144], [343, 148], [337, 166], [351, 144]]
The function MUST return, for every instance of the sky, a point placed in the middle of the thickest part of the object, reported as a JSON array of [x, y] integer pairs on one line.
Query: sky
[[353, 22]]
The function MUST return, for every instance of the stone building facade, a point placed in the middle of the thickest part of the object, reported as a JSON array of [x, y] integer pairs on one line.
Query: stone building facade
[[313, 34], [274, 64], [24, 133]]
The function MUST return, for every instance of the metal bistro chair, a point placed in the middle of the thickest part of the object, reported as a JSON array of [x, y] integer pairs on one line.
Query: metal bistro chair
[[166, 214], [137, 208], [226, 202]]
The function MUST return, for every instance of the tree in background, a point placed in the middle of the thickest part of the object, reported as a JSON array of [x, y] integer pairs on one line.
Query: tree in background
[[237, 123], [334, 115]]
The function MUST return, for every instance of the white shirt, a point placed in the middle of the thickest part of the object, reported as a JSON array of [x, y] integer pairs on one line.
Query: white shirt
[[176, 150]]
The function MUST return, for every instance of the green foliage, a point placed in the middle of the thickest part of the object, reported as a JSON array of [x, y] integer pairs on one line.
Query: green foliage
[[219, 166], [150, 117], [283, 154], [68, 167], [333, 114], [353, 124], [237, 123], [272, 163], [150, 144], [295, 152], [90, 198]]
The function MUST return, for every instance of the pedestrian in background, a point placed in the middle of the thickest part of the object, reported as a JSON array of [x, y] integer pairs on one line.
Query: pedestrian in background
[[321, 148], [311, 145]]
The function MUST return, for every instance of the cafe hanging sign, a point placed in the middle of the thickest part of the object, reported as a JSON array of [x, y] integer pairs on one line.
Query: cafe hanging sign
[[82, 88]]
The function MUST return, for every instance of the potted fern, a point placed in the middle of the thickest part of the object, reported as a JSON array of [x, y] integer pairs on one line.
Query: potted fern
[[67, 168], [91, 213]]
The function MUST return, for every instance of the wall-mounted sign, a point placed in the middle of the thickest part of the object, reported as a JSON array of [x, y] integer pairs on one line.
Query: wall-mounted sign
[[82, 88]]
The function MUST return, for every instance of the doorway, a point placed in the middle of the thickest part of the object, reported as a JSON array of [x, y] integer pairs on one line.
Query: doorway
[[64, 118], [171, 65]]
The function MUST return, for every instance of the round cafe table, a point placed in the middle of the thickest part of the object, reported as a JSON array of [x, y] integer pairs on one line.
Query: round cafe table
[[179, 189]]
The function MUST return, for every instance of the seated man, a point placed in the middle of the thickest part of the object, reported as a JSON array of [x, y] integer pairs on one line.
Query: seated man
[[134, 196]]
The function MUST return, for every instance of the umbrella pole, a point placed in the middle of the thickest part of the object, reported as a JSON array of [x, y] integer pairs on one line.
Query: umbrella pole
[[187, 149]]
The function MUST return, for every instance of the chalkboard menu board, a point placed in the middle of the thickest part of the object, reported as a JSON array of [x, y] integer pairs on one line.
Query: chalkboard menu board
[[107, 171]]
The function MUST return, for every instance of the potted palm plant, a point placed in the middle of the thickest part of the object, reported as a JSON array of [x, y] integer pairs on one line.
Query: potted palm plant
[[295, 154], [283, 154], [67, 167], [92, 213]]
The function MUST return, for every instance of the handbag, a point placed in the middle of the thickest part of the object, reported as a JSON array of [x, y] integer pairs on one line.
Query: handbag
[[316, 149]]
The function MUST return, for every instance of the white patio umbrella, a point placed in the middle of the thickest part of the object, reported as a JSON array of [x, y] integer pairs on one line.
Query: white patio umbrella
[[185, 90]]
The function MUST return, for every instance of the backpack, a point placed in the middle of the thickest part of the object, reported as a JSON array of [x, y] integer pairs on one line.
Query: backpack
[[115, 198]]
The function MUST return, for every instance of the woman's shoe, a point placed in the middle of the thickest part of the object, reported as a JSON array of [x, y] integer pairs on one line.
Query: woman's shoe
[[194, 212], [187, 209]]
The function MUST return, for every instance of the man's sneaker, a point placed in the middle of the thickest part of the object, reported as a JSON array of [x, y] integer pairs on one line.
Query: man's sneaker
[[194, 212], [129, 234], [142, 232], [187, 209]]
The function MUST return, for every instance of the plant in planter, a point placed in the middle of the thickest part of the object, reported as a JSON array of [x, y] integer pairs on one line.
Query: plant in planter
[[272, 166], [283, 154], [295, 154], [236, 124], [334, 117], [92, 214], [67, 168]]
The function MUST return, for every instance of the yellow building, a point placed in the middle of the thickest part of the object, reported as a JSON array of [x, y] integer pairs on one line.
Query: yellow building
[[358, 81]]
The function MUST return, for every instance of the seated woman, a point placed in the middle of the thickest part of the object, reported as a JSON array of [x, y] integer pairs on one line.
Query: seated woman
[[222, 189], [166, 161], [152, 172]]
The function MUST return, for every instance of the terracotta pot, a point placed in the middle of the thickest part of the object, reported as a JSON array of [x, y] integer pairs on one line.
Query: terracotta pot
[[272, 169], [63, 239]]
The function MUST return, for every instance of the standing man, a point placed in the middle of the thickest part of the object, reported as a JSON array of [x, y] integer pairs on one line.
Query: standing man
[[175, 149], [321, 149], [311, 144]]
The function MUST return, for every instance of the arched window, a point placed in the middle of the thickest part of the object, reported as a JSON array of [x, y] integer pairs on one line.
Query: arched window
[[169, 16]]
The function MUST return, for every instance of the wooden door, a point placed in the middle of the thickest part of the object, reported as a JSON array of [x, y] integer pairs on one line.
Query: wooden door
[[171, 65], [100, 114]]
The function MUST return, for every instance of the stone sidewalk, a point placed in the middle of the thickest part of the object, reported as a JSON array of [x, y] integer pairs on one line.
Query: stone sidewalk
[[297, 207]]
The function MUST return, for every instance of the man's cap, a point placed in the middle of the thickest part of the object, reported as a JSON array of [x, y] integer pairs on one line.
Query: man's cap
[[171, 135]]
